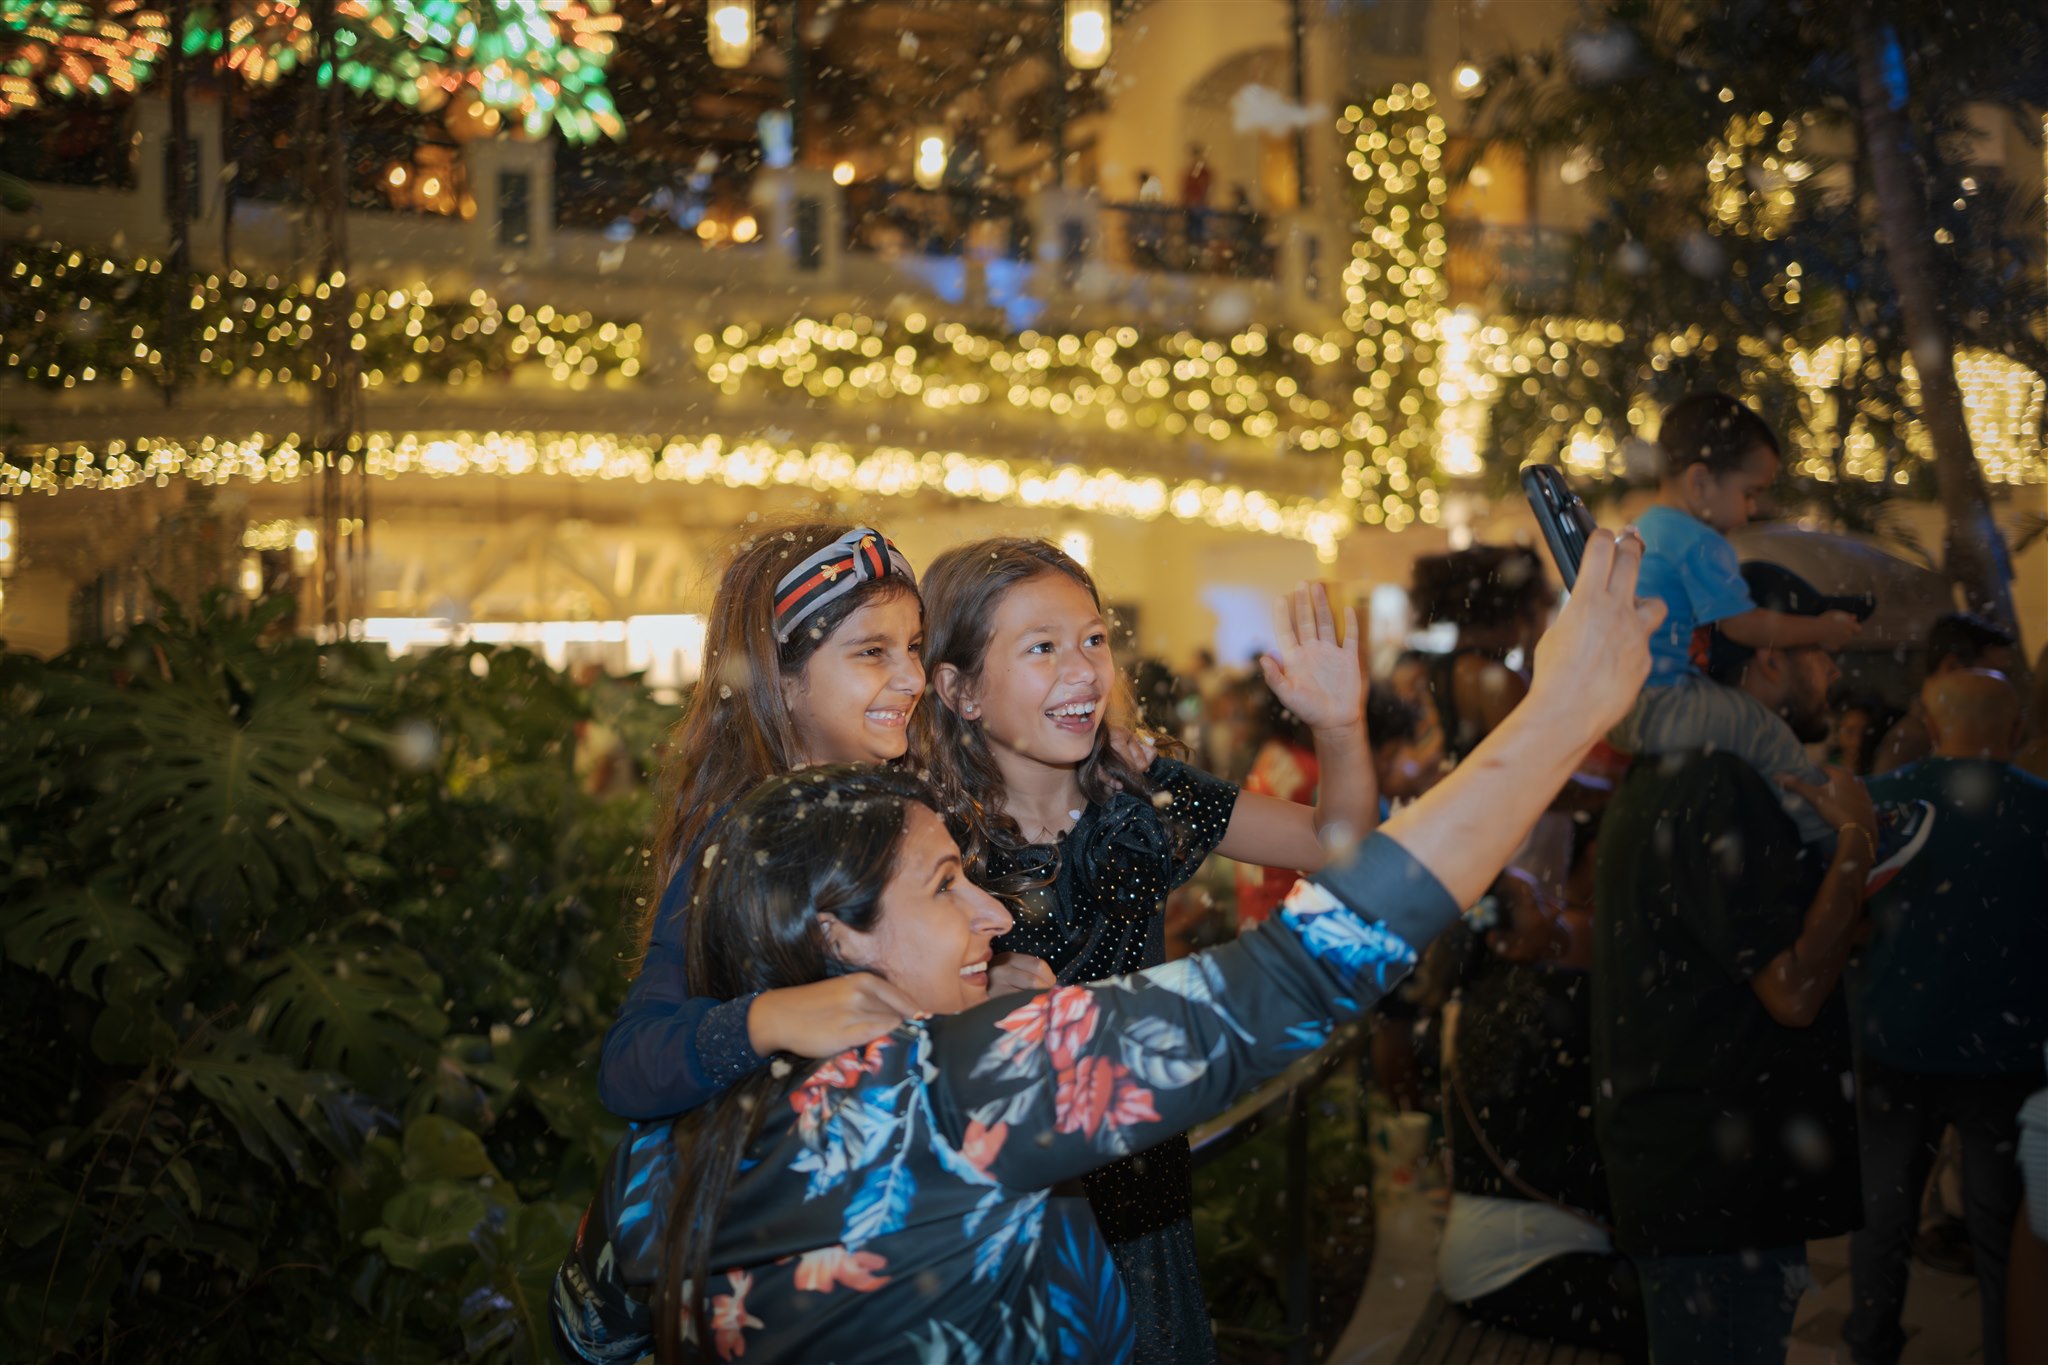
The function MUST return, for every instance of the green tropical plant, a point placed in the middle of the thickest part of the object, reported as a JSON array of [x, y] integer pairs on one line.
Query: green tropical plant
[[304, 957]]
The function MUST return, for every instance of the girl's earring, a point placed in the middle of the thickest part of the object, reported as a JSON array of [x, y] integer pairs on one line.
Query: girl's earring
[[970, 710]]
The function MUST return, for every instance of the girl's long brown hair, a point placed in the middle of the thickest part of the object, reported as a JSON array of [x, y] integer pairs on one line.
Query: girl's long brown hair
[[962, 591], [737, 731]]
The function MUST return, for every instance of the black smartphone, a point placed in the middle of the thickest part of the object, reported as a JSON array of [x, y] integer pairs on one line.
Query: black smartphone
[[1563, 516]]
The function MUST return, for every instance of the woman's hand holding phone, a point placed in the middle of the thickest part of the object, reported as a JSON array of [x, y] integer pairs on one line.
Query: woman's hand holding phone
[[1591, 665]]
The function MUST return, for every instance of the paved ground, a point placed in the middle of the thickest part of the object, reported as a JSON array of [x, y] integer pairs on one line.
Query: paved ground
[[1943, 1324], [1941, 1309]]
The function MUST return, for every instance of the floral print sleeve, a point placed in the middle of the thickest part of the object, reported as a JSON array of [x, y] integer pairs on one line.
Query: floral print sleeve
[[897, 1204], [1077, 1076]]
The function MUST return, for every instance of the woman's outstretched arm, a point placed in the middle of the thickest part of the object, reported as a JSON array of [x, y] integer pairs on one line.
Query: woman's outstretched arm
[[1036, 1090]]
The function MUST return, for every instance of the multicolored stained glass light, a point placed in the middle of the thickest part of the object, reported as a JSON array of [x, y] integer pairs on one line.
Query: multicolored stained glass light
[[63, 48], [540, 63]]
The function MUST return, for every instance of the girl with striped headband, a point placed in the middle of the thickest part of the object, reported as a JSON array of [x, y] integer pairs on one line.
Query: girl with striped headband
[[811, 656]]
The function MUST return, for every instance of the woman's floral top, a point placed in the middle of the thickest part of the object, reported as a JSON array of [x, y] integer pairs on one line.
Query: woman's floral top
[[899, 1202]]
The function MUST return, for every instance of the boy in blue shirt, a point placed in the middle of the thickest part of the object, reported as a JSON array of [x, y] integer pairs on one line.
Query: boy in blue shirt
[[1718, 457]]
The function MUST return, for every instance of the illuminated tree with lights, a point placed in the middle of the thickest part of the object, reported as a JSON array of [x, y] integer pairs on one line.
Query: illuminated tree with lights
[[541, 64], [1394, 294], [1765, 227]]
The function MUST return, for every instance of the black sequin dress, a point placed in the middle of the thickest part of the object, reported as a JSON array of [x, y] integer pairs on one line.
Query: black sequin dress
[[1102, 916]]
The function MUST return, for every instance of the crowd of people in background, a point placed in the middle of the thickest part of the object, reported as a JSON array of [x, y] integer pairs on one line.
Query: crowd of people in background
[[1697, 1036], [1745, 962], [1768, 1054]]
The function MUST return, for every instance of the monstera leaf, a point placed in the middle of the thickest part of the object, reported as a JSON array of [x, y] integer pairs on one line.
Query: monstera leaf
[[441, 1149], [432, 1227], [280, 1112], [233, 802], [505, 1312], [93, 936], [368, 1009]]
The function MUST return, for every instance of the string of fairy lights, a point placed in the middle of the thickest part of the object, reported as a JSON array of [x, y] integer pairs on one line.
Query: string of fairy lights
[[1407, 397], [77, 317], [825, 467], [1253, 386], [1394, 300], [1564, 368]]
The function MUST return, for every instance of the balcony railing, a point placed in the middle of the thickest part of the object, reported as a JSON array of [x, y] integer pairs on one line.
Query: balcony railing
[[891, 218], [606, 220], [1190, 241]]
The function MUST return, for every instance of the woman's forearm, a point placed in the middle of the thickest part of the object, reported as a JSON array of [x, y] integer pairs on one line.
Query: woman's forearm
[[1466, 827], [1054, 1085], [1590, 668]]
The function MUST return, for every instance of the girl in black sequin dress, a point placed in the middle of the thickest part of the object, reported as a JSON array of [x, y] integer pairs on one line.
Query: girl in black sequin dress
[[1087, 843]]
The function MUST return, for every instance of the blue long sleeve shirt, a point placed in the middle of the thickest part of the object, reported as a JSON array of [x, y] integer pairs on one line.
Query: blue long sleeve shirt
[[670, 1051]]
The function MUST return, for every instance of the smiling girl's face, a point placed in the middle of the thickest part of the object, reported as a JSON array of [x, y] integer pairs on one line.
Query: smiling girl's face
[[1045, 681], [852, 700]]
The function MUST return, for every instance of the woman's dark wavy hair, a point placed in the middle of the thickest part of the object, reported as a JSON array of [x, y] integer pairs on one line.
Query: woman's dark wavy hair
[[813, 842], [1485, 585], [737, 730], [962, 591]]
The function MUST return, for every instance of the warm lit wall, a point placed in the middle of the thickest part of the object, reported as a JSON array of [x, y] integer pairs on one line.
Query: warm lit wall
[[1163, 51]]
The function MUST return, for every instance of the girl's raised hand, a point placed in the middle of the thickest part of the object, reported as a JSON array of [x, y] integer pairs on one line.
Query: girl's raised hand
[[1314, 675]]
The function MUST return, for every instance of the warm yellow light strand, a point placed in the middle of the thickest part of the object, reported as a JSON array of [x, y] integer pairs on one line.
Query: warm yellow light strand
[[884, 471]]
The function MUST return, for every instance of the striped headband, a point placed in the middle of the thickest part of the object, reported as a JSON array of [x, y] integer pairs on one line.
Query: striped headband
[[860, 556]]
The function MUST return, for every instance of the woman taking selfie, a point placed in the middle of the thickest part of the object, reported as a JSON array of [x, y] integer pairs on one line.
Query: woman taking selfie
[[897, 1197]]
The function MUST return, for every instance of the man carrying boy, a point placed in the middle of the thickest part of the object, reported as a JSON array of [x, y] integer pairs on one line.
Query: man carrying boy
[[1719, 457], [1724, 1094]]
